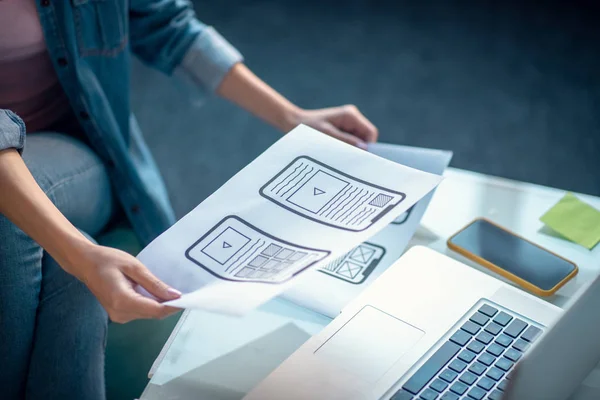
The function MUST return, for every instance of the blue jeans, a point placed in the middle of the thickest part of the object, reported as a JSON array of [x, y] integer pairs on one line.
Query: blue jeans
[[52, 329]]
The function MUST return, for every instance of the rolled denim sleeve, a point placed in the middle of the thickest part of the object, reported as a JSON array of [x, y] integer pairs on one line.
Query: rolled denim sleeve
[[12, 131], [167, 35], [208, 59]]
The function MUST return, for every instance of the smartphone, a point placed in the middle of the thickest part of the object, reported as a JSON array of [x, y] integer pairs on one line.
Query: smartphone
[[532, 267]]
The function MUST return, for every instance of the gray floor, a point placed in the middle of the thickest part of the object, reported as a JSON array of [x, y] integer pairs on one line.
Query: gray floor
[[512, 89]]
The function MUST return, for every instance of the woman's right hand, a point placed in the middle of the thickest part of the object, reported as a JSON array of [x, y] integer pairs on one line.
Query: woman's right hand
[[111, 275]]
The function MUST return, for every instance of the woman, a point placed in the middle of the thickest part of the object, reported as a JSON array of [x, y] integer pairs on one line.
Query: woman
[[64, 88]]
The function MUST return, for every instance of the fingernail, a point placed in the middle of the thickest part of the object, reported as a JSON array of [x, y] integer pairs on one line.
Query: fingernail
[[362, 145], [174, 292]]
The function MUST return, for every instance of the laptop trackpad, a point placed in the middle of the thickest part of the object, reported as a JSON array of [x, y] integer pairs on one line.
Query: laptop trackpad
[[370, 343]]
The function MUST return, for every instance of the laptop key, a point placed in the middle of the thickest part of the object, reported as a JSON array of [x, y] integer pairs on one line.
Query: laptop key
[[486, 383], [402, 395], [486, 359], [449, 396], [513, 355], [470, 327], [503, 319], [431, 367], [477, 368], [531, 333], [459, 388], [476, 347], [461, 337], [479, 318], [448, 375], [468, 378], [476, 393], [502, 385], [466, 356], [488, 310], [495, 349], [438, 385], [495, 374], [484, 337], [515, 328], [495, 395], [429, 394], [493, 328], [504, 340], [521, 345], [457, 366], [504, 364]]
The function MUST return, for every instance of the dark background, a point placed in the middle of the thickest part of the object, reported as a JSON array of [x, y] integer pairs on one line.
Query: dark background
[[512, 88]]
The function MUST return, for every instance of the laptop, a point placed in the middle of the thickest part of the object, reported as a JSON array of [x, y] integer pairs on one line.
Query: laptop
[[433, 328]]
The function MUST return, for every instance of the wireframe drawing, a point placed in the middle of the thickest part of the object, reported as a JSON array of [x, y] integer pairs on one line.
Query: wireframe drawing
[[323, 194], [356, 265], [238, 251], [402, 218]]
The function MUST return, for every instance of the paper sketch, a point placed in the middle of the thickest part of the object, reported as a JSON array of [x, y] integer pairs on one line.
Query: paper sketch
[[235, 250], [356, 265], [323, 194], [309, 199]]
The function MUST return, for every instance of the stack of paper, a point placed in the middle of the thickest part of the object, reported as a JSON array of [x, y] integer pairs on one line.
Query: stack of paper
[[305, 202]]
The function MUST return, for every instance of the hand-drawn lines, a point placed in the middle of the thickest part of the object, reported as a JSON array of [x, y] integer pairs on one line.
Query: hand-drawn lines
[[323, 194], [238, 251], [356, 265], [402, 218]]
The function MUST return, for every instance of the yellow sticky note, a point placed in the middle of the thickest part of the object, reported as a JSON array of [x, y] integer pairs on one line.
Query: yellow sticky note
[[575, 220]]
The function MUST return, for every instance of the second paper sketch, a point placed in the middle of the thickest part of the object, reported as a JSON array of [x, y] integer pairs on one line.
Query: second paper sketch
[[325, 195]]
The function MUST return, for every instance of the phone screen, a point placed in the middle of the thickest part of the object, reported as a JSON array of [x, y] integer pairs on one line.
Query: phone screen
[[513, 254]]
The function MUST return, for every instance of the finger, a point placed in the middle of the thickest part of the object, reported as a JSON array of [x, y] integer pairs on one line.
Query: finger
[[343, 136], [358, 124], [146, 279], [139, 306]]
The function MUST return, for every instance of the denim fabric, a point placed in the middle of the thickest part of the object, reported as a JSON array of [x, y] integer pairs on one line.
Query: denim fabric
[[52, 329], [91, 43], [12, 131]]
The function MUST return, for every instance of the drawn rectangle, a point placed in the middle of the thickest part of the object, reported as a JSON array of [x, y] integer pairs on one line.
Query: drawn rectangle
[[317, 191], [320, 193], [356, 265], [226, 245], [235, 250]]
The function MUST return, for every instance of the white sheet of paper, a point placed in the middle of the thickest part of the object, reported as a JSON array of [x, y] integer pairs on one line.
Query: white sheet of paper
[[305, 201], [329, 288]]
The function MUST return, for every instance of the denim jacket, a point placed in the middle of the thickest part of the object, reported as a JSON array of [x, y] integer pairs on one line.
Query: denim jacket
[[91, 43]]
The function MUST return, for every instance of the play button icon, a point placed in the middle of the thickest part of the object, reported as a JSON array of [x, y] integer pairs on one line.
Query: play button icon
[[317, 191], [226, 245]]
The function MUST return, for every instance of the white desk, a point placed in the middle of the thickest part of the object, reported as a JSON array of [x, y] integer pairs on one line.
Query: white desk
[[215, 357]]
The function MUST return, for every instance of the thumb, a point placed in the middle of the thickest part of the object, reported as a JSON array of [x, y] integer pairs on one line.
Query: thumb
[[146, 279]]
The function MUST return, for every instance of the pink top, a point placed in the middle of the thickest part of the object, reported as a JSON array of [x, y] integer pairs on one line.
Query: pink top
[[28, 83]]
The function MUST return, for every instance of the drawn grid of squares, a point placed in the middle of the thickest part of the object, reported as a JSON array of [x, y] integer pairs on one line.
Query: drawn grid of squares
[[271, 261]]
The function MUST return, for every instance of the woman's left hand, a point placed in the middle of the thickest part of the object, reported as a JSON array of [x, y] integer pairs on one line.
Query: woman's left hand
[[345, 123]]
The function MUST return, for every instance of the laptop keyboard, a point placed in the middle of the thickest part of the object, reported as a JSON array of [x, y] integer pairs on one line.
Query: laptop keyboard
[[476, 361]]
